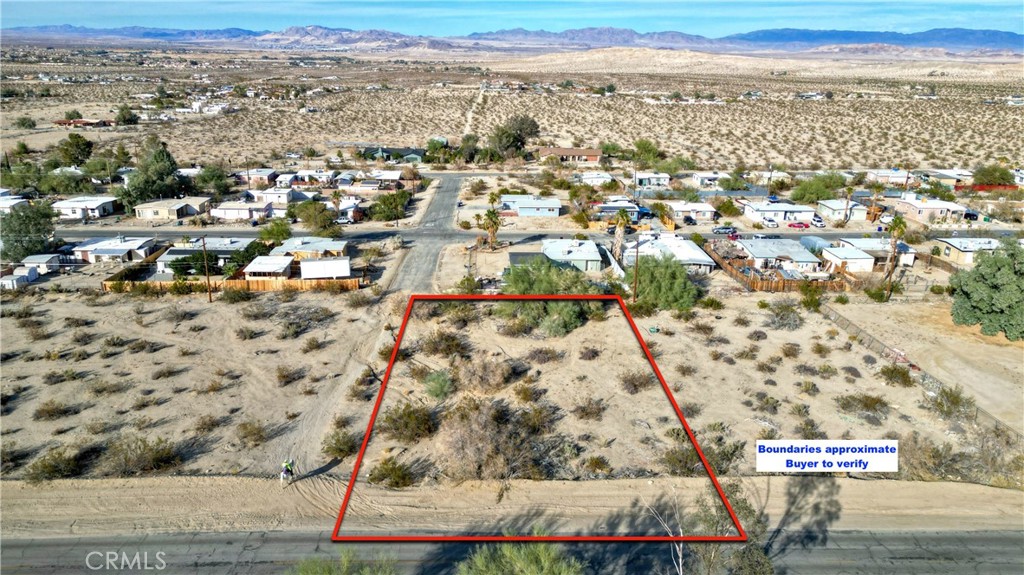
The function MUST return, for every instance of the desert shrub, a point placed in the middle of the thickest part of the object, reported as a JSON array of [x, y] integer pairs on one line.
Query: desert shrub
[[937, 289], [791, 350], [525, 393], [439, 385], [537, 419], [99, 426], [115, 341], [236, 295], [826, 371], [748, 353], [686, 369], [246, 333], [809, 429], [716, 355], [841, 299], [358, 299], [862, 402], [768, 434], [407, 423], [144, 401], [800, 410], [690, 409], [590, 410], [445, 343], [485, 373], [820, 349], [57, 463], [876, 294], [391, 473], [54, 377], [52, 409], [766, 403], [703, 328], [811, 292], [808, 387], [82, 337], [804, 369], [950, 403], [141, 345], [257, 311], [213, 386], [851, 371], [634, 382], [206, 424], [589, 353], [765, 367], [515, 328], [710, 303], [684, 314], [544, 355], [252, 433], [869, 360], [741, 320], [38, 333], [723, 456], [164, 372], [133, 455], [340, 444], [287, 375], [896, 375], [76, 322], [175, 314], [312, 344], [783, 314], [464, 224], [597, 465]]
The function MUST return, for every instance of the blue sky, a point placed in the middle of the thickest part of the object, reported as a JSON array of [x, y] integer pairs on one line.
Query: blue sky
[[456, 17]]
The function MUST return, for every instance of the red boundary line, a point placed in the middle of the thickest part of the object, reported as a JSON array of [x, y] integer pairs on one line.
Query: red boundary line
[[499, 538]]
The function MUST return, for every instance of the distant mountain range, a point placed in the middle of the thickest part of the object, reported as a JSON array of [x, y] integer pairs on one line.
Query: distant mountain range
[[319, 37]]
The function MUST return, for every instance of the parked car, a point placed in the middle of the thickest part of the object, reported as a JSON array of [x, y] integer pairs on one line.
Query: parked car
[[611, 230], [724, 230], [769, 223], [772, 199], [818, 223], [973, 216], [688, 220], [772, 237], [734, 236], [886, 219], [343, 220], [799, 225], [644, 213]]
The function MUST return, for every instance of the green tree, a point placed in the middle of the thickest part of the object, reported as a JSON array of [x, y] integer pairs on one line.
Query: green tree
[[318, 219], [646, 153], [611, 149], [196, 264], [390, 207], [519, 558], [64, 185], [155, 177], [277, 231], [72, 115], [524, 126], [241, 258], [214, 179], [21, 176], [820, 187], [992, 293], [24, 123], [541, 276], [491, 223], [506, 141], [992, 175], [664, 283], [122, 159], [21, 149], [125, 116], [493, 198], [74, 150], [469, 146], [728, 208], [27, 230]]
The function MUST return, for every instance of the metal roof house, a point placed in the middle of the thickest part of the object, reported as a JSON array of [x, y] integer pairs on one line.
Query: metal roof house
[[80, 207], [580, 254], [835, 210], [524, 205], [303, 247], [778, 211], [964, 250], [780, 254], [850, 259], [682, 250], [121, 249], [879, 248], [263, 267]]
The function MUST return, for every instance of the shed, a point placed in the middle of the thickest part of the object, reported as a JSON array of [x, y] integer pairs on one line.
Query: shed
[[325, 268], [852, 260], [43, 263]]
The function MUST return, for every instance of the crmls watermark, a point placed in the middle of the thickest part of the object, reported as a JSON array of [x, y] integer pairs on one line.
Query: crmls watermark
[[124, 561]]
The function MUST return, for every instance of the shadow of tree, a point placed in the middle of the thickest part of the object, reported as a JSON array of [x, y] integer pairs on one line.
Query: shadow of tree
[[812, 505]]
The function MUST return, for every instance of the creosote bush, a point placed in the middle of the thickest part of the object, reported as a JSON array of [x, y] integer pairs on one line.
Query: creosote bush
[[407, 423], [339, 444], [133, 455], [634, 382], [950, 403], [896, 375], [236, 295], [445, 343], [591, 409], [252, 433], [589, 353], [391, 473], [57, 463], [483, 373]]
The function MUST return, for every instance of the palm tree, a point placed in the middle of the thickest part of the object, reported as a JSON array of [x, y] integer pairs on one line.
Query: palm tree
[[897, 229], [336, 201], [876, 189], [846, 214], [493, 198], [491, 223], [621, 220]]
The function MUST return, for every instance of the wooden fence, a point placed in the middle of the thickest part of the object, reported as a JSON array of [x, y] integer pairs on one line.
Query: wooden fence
[[772, 285]]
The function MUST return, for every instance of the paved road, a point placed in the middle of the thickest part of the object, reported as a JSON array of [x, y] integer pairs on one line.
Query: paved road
[[429, 238], [846, 552]]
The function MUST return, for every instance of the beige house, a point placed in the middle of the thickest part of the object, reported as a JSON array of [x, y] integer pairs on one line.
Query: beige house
[[963, 251], [928, 210], [172, 209]]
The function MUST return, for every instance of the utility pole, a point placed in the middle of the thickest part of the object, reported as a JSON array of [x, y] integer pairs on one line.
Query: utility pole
[[636, 268], [206, 266]]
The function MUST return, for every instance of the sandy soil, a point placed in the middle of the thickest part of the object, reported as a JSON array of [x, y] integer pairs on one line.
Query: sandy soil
[[198, 504], [954, 354]]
